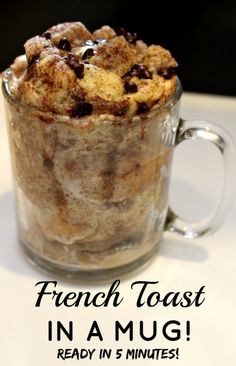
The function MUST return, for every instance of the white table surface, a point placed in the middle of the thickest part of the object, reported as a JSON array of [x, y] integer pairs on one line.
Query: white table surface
[[180, 265]]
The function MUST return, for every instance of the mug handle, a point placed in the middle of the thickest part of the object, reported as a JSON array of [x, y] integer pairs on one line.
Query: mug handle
[[203, 130]]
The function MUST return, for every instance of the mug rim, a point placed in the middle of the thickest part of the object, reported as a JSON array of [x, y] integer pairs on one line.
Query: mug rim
[[10, 97]]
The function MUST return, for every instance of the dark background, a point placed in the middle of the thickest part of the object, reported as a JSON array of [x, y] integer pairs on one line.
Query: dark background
[[201, 35]]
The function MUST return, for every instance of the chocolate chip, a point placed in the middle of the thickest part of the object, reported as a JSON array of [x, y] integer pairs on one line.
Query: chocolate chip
[[100, 41], [83, 109], [142, 108], [33, 59], [89, 42], [141, 71], [121, 31], [167, 73], [130, 37], [64, 44], [120, 112], [88, 53], [47, 35], [130, 87], [48, 163], [75, 65]]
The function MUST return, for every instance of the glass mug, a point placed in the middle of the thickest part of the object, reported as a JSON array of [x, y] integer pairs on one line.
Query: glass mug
[[92, 194]]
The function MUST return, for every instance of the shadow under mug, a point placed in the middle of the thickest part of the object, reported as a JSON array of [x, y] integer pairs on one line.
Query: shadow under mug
[[92, 194]]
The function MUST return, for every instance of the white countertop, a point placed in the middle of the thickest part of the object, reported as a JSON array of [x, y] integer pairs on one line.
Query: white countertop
[[180, 265]]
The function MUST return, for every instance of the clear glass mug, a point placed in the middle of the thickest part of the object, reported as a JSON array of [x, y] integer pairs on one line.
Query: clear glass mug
[[92, 195]]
